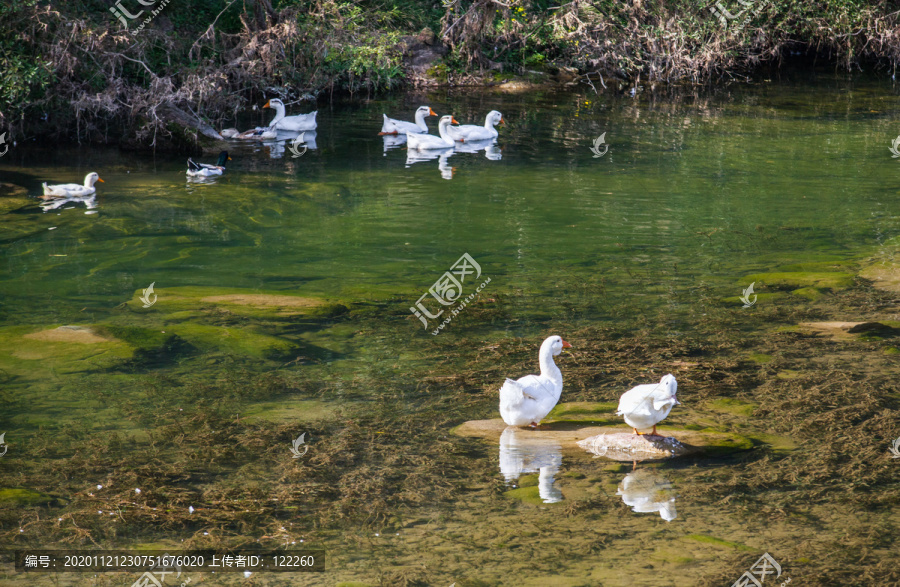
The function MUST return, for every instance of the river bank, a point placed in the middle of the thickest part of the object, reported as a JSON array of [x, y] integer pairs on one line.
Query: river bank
[[80, 72]]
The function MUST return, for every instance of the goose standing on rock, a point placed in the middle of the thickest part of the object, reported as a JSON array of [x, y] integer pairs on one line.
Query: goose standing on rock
[[473, 132], [528, 400], [644, 406], [73, 190], [392, 126], [424, 142], [206, 170], [298, 122]]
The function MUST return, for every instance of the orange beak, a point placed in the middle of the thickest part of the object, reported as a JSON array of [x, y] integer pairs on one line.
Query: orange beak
[[566, 345], [502, 121], [229, 158], [100, 180], [267, 105], [453, 120], [431, 112]]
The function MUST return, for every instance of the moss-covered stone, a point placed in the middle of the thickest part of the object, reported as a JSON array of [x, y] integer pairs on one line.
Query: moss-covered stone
[[530, 495], [21, 497], [794, 280], [810, 293], [761, 298], [593, 412], [732, 406]]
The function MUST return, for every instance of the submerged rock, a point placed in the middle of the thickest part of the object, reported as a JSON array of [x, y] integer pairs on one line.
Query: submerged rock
[[26, 497], [848, 330], [79, 334], [625, 446], [568, 436]]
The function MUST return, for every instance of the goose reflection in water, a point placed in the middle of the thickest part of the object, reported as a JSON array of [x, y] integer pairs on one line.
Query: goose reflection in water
[[284, 142], [521, 452], [393, 142], [442, 155], [489, 146], [647, 491], [90, 202]]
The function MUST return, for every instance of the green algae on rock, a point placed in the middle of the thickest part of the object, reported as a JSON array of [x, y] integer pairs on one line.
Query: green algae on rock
[[21, 497], [794, 280]]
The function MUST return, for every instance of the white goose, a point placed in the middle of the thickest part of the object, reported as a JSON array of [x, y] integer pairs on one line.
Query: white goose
[[529, 399], [426, 142], [473, 132], [392, 126], [298, 122], [73, 190], [644, 406]]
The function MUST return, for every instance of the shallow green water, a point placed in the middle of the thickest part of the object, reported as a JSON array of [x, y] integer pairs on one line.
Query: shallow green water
[[694, 194]]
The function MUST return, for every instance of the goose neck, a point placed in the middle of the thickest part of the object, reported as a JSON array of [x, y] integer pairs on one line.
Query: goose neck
[[420, 121], [279, 113], [442, 129], [548, 367]]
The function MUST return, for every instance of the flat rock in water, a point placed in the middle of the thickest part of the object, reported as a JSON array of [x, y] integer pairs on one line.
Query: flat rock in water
[[624, 446], [846, 330], [79, 334], [621, 444]]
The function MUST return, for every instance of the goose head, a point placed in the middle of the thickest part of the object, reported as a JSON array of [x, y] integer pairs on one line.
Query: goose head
[[493, 119], [670, 386], [424, 111], [446, 121], [278, 105], [554, 345], [91, 178]]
